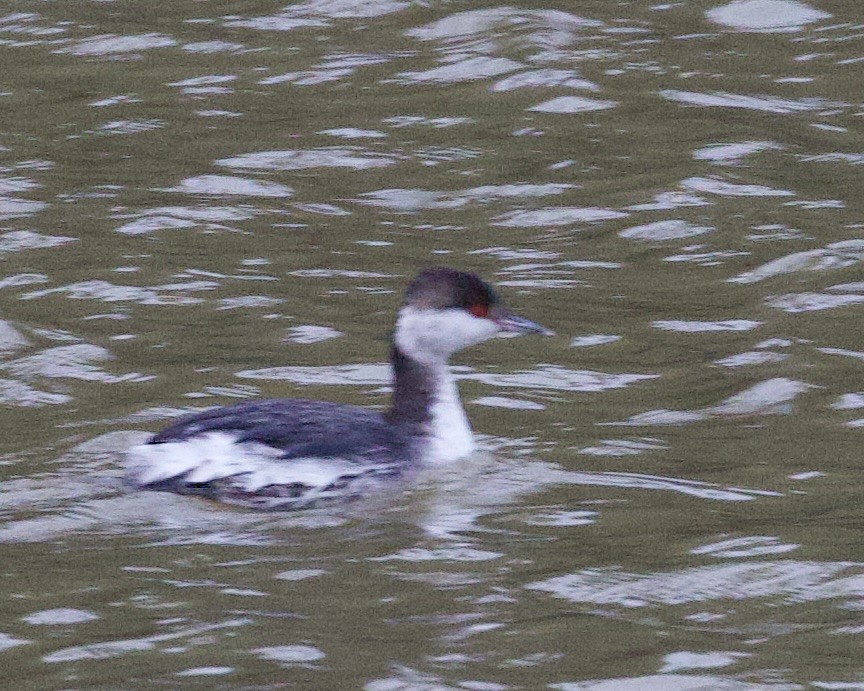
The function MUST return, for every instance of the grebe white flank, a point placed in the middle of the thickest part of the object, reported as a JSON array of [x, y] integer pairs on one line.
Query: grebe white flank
[[295, 453]]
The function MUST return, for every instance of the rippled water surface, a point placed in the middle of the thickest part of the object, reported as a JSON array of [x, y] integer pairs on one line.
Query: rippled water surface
[[207, 202]]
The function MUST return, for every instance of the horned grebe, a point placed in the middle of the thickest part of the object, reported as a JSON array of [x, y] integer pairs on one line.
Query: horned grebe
[[295, 453]]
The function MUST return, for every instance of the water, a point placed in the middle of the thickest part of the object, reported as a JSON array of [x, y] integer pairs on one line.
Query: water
[[216, 202]]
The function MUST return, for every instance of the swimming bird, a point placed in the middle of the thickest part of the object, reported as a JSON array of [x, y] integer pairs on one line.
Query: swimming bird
[[295, 453]]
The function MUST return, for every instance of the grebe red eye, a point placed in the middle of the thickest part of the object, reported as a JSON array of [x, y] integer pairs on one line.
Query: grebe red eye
[[479, 310]]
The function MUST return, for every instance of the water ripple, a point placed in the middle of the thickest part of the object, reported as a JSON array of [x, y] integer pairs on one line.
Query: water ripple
[[131, 126], [674, 662], [69, 362], [209, 671], [10, 338], [767, 104], [572, 104], [118, 648], [353, 133], [61, 616], [715, 185], [409, 200], [544, 26], [623, 447], [795, 303], [311, 333], [24, 24], [218, 185], [681, 326], [752, 546], [769, 397], [556, 216], [18, 393], [354, 158], [22, 280], [556, 378], [593, 340], [766, 16], [789, 582], [10, 207], [399, 121], [532, 79], [670, 229], [104, 291], [667, 201], [837, 255], [182, 217], [287, 655], [730, 154], [215, 46], [469, 69], [751, 358], [114, 45], [674, 682], [7, 641], [314, 14], [508, 403], [360, 374]]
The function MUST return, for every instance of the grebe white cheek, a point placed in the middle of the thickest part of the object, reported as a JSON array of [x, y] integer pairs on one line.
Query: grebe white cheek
[[294, 453], [434, 335]]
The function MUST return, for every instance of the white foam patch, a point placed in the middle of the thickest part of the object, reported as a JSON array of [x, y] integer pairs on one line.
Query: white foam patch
[[252, 466]]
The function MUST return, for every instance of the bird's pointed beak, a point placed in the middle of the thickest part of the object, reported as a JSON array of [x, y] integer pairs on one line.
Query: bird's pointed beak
[[513, 323]]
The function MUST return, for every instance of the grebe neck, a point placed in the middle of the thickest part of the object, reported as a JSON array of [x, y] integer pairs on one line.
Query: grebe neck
[[425, 394], [413, 389]]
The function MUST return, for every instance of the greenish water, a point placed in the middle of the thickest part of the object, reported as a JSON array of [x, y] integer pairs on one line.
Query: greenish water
[[219, 201]]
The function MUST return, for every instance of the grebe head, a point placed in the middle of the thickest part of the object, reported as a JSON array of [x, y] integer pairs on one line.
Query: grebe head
[[446, 310]]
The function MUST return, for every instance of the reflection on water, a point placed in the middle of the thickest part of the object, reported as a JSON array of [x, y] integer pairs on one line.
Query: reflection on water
[[226, 204], [766, 16], [793, 581]]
